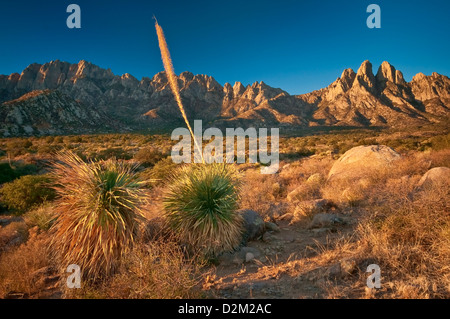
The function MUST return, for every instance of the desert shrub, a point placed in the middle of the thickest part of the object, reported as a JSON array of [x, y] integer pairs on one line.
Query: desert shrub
[[98, 211], [49, 139], [26, 192], [42, 217], [58, 140], [7, 173], [18, 269], [156, 270], [159, 173], [148, 156], [200, 206], [112, 152], [18, 147], [440, 142]]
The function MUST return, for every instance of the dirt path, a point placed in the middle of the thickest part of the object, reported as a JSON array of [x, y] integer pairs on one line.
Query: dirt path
[[288, 265]]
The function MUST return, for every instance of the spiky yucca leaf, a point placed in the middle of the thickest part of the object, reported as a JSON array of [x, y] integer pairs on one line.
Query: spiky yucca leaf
[[98, 212], [200, 205]]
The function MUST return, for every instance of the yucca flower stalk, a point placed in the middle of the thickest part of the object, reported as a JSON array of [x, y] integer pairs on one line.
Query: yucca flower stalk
[[168, 66], [200, 206], [98, 213]]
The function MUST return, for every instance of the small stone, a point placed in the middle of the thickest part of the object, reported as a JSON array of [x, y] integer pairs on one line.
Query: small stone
[[325, 220], [253, 223], [334, 271], [272, 227], [268, 237], [249, 257]]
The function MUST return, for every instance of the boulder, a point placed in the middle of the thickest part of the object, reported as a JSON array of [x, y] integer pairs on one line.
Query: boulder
[[435, 176], [356, 162], [325, 220], [253, 224]]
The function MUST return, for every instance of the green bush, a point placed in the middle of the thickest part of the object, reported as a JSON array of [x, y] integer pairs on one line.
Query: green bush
[[10, 172], [27, 191], [200, 205], [7, 173]]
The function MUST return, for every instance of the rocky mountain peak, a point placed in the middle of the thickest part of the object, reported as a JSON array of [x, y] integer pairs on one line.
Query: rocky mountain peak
[[186, 76], [386, 72], [238, 89], [364, 76], [418, 77], [360, 98], [347, 78]]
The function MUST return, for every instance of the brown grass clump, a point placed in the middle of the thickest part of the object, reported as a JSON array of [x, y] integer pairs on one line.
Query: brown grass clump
[[99, 210], [156, 270], [18, 268]]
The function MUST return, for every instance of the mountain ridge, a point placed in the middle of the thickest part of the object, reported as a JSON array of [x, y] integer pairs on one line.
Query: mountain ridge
[[359, 98]]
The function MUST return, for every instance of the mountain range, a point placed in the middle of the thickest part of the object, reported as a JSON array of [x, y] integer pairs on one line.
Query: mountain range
[[63, 98]]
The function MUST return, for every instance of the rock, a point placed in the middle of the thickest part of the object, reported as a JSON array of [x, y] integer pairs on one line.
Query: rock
[[358, 161], [245, 254], [249, 257], [438, 176], [253, 224], [272, 227], [334, 271], [309, 207], [325, 220], [268, 237], [386, 72]]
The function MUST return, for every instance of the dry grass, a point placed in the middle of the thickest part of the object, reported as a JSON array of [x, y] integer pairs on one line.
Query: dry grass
[[156, 270], [406, 232], [18, 267]]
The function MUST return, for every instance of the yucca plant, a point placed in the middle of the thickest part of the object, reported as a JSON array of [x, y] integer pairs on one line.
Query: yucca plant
[[98, 212], [200, 205]]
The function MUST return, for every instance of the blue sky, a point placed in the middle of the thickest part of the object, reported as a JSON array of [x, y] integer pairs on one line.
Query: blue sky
[[295, 45]]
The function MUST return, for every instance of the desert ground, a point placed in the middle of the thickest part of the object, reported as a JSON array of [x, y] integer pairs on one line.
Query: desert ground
[[342, 199]]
